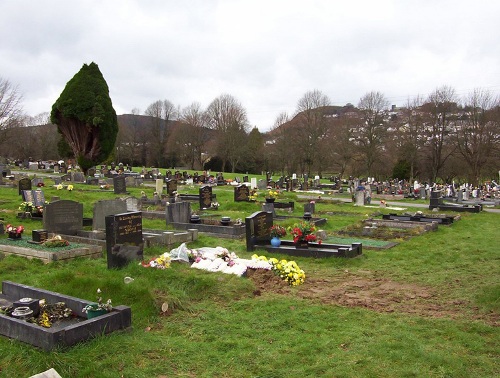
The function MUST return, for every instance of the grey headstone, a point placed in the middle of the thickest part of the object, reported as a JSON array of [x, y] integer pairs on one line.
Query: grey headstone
[[63, 217], [24, 184], [104, 208], [178, 212], [77, 177], [132, 204], [261, 184], [119, 185]]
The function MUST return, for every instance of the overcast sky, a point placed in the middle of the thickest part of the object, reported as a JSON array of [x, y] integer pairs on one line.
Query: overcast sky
[[265, 53]]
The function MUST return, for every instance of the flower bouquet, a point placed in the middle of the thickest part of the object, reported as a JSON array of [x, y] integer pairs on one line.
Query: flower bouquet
[[303, 233], [14, 232], [277, 231]]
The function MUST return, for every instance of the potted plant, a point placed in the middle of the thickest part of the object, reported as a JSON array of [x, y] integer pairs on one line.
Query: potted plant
[[97, 309], [276, 232], [303, 234], [14, 233]]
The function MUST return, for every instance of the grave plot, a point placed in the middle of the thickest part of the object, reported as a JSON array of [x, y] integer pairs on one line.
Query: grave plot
[[63, 333], [257, 229], [179, 216], [438, 202]]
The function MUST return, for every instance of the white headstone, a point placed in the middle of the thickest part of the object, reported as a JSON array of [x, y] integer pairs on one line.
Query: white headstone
[[294, 176], [159, 186], [253, 182], [360, 198]]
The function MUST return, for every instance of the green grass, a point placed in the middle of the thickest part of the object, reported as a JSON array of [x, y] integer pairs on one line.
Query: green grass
[[219, 328]]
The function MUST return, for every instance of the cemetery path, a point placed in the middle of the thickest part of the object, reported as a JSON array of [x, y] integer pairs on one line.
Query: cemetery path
[[373, 291]]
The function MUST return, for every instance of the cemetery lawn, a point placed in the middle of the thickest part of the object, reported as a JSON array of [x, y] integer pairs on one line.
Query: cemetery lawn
[[428, 307]]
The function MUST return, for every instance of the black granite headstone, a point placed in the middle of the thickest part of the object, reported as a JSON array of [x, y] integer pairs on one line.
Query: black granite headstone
[[241, 193], [205, 197], [119, 185], [171, 186], [257, 228], [124, 242]]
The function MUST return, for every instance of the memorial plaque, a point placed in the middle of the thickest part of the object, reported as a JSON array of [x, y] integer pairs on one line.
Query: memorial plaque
[[38, 198], [257, 228], [171, 187], [24, 184], [103, 208], [205, 197], [241, 193], [39, 236], [124, 241], [28, 196], [119, 185], [63, 217]]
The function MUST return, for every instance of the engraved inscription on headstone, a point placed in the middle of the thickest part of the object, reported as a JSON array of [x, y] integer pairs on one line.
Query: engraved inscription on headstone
[[257, 228], [28, 196], [124, 241], [205, 197], [241, 193], [63, 217], [38, 198]]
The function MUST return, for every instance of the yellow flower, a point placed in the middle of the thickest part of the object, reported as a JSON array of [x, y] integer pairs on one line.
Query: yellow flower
[[59, 187], [70, 187]]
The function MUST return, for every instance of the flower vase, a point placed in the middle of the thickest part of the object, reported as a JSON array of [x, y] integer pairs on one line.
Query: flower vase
[[95, 312], [302, 244], [14, 236], [275, 241], [270, 200]]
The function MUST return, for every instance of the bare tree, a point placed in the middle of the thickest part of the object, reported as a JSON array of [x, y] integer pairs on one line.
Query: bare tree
[[372, 131], [311, 127], [193, 135], [441, 108], [10, 108], [161, 112], [477, 133], [229, 119], [278, 147]]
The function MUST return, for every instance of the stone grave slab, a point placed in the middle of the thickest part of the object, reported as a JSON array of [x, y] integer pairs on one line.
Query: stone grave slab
[[241, 193], [119, 185], [24, 184]]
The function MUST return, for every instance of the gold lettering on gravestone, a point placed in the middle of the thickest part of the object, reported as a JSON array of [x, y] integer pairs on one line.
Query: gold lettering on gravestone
[[261, 226], [207, 197], [130, 224]]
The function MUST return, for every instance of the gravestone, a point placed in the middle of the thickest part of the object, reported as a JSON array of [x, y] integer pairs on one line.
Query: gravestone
[[257, 228], [103, 208], [253, 183], [36, 181], [24, 184], [309, 207], [245, 179], [132, 204], [130, 181], [172, 187], [241, 193], [77, 177], [178, 212], [261, 184], [124, 242], [57, 180], [360, 198], [38, 198], [159, 186], [63, 217], [56, 168], [28, 196], [91, 172], [119, 185], [92, 181], [205, 197]]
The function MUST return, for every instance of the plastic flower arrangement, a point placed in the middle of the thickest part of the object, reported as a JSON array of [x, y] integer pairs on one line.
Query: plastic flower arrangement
[[99, 305], [303, 232], [40, 184], [70, 187], [14, 230], [56, 241], [59, 187], [277, 231], [26, 206], [272, 194]]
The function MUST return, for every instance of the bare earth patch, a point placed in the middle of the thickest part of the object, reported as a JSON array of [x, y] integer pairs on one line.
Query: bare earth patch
[[366, 289]]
